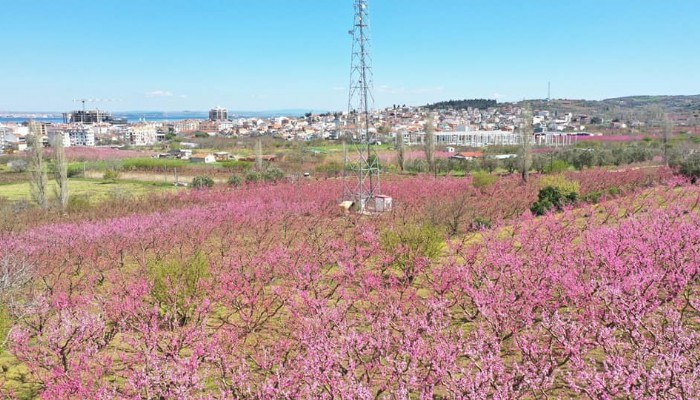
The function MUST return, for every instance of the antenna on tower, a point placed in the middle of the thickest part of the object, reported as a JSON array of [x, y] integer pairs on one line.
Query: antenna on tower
[[361, 185]]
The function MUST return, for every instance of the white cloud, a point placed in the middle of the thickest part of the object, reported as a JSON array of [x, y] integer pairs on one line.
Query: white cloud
[[159, 93]]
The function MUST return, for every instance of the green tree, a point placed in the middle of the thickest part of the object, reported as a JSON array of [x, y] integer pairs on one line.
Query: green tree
[[540, 163], [557, 166], [511, 164], [273, 174], [556, 192], [111, 175], [235, 181], [488, 163], [415, 242], [253, 176], [583, 158], [482, 180], [37, 168], [525, 152], [177, 287], [688, 165], [258, 156], [61, 171], [667, 128], [429, 146], [401, 152], [202, 182]]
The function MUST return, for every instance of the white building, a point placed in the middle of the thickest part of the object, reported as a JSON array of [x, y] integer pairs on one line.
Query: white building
[[81, 137], [3, 131], [225, 126], [218, 114], [141, 135], [19, 130], [15, 141], [466, 138], [188, 125], [203, 158], [55, 135]]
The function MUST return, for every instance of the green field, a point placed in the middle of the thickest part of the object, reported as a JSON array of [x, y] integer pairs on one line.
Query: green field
[[95, 190]]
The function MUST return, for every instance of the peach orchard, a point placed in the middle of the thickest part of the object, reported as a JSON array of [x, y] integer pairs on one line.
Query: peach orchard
[[271, 291]]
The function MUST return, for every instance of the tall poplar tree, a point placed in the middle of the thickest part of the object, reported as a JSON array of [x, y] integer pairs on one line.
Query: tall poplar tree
[[37, 169], [401, 149], [429, 147], [61, 170], [525, 152]]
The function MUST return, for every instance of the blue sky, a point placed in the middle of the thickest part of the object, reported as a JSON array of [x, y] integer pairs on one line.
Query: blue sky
[[280, 54]]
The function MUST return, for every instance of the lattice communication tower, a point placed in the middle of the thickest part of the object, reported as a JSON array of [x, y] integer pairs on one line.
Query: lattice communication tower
[[361, 180]]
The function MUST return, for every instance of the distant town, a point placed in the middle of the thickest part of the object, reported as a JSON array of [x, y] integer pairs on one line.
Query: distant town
[[558, 122]]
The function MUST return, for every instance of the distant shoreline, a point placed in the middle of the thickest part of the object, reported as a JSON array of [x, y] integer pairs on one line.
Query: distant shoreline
[[148, 116]]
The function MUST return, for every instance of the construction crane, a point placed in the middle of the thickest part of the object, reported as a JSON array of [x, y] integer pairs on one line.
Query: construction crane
[[92, 101]]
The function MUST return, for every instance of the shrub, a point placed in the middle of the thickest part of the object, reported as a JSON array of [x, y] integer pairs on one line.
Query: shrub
[[111, 175], [17, 165], [488, 163], [583, 158], [481, 179], [595, 196], [480, 223], [417, 166], [330, 168], [253, 176], [689, 166], [551, 198], [561, 183], [237, 165], [273, 174], [413, 244], [151, 163], [202, 182], [235, 181], [75, 170], [556, 192], [79, 202], [638, 154], [556, 167], [511, 164], [119, 194], [177, 287]]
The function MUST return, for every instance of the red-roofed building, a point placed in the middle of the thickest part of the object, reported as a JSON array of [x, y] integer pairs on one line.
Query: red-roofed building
[[467, 155]]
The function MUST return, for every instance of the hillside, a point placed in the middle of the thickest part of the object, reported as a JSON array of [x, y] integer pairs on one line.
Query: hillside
[[623, 105]]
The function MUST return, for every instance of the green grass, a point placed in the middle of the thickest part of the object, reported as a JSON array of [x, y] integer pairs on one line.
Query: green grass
[[16, 377], [337, 146], [152, 163], [96, 190]]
